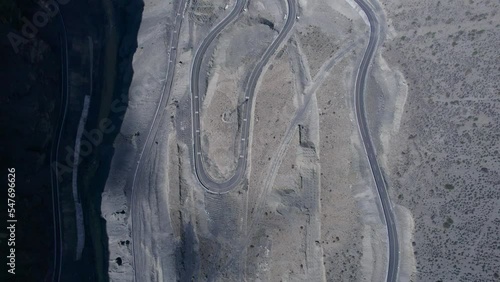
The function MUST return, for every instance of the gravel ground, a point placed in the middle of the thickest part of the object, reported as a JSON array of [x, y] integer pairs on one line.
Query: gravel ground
[[441, 146], [308, 209]]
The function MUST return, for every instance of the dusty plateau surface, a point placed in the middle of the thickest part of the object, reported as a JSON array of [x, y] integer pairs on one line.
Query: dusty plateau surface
[[308, 208]]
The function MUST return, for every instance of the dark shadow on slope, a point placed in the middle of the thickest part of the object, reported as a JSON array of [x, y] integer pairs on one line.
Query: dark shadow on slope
[[187, 256], [110, 101], [30, 104], [30, 87], [267, 22]]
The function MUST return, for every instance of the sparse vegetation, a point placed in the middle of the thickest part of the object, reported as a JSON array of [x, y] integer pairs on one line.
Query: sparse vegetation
[[446, 174], [448, 222]]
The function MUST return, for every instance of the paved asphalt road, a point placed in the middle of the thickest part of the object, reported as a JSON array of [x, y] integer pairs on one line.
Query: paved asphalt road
[[138, 178], [393, 266], [54, 155], [208, 183]]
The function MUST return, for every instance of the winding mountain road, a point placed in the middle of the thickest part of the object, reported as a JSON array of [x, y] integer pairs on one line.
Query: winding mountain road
[[206, 181], [393, 265], [54, 155], [143, 162]]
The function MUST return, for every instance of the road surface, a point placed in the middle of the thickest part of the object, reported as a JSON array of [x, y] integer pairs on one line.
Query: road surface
[[206, 181], [144, 163], [54, 155], [393, 265]]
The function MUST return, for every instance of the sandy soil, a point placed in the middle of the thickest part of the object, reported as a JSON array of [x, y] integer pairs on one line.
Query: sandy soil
[[308, 208], [144, 93], [232, 61]]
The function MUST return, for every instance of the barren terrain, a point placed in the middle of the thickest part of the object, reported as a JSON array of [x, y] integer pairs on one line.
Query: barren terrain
[[438, 132], [308, 207]]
